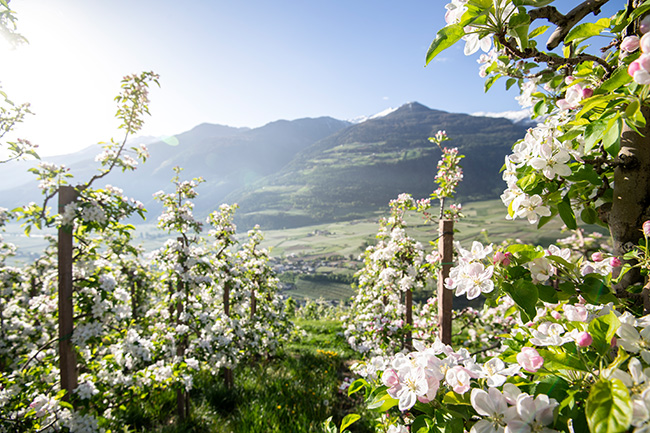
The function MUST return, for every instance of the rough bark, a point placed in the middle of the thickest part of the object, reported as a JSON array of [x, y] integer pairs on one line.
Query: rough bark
[[631, 202]]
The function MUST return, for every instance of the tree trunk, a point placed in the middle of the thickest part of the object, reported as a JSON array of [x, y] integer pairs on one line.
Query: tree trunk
[[631, 201]]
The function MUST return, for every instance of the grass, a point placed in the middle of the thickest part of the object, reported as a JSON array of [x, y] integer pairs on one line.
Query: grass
[[295, 391]]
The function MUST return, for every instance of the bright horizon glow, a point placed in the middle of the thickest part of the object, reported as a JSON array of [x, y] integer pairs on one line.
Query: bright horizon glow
[[231, 63]]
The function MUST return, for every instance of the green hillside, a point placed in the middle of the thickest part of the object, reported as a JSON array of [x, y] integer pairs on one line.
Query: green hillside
[[359, 169]]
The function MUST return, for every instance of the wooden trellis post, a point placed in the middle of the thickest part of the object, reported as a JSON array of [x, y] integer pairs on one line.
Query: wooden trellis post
[[446, 251], [182, 398], [253, 301], [408, 341], [227, 373], [67, 358]]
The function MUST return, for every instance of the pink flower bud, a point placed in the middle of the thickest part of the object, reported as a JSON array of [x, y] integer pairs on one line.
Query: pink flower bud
[[644, 43], [644, 60], [634, 66], [529, 359], [556, 315], [646, 228], [644, 26], [583, 339], [390, 378], [615, 262], [630, 44], [597, 256], [501, 258], [587, 93]]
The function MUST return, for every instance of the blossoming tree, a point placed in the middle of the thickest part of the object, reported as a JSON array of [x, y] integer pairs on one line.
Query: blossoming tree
[[589, 156], [573, 356]]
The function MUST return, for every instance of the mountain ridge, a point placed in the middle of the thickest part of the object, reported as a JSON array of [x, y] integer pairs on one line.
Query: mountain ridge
[[310, 170]]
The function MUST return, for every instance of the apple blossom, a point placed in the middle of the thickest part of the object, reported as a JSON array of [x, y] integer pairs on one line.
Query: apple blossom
[[597, 256], [493, 406], [549, 334], [502, 258], [573, 96], [644, 25], [458, 378], [584, 339], [532, 208], [576, 313], [529, 359], [634, 341], [531, 414], [630, 43]]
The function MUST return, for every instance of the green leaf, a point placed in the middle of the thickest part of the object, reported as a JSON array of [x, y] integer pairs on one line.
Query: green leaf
[[593, 134], [446, 37], [603, 330], [357, 385], [538, 31], [619, 78], [349, 420], [547, 293], [595, 291], [609, 409], [612, 137], [422, 424], [329, 425], [539, 109], [380, 401], [589, 215], [553, 386], [525, 253], [511, 82], [490, 81], [519, 24], [528, 182], [454, 425], [559, 260], [566, 213], [451, 398], [561, 360], [586, 30], [632, 108], [640, 10], [594, 102], [525, 295]]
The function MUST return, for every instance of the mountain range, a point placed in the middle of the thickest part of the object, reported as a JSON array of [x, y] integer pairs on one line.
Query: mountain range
[[304, 171]]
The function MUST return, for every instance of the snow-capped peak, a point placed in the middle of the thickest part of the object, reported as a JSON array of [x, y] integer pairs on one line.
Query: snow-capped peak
[[520, 116], [361, 119]]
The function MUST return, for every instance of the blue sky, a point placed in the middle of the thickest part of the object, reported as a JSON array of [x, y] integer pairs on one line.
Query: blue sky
[[238, 63]]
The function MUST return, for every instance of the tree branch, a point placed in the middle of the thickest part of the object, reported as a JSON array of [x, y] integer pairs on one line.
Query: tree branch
[[554, 61], [566, 22]]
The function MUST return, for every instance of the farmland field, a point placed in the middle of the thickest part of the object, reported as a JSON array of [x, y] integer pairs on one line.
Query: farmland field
[[326, 256]]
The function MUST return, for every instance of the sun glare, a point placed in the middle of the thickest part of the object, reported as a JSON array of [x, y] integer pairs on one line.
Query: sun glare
[[56, 66]]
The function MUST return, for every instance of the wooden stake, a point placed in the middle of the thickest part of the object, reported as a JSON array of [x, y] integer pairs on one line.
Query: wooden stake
[[408, 341], [182, 400], [227, 373], [253, 302], [67, 357], [446, 250]]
